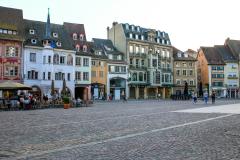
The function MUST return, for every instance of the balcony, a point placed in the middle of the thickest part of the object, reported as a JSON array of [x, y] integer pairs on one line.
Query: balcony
[[131, 67], [232, 77], [137, 55], [166, 69]]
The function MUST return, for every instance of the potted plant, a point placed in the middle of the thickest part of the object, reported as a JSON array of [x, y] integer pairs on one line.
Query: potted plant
[[66, 102]]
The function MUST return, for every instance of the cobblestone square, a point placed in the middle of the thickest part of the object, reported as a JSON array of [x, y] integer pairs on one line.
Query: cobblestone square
[[150, 129]]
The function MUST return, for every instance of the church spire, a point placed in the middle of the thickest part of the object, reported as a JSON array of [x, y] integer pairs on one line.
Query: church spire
[[48, 29]]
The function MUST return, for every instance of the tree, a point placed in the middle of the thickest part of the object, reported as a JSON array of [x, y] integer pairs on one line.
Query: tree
[[52, 88], [200, 90], [64, 88]]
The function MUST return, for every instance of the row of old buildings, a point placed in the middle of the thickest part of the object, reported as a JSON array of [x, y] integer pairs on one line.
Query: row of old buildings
[[133, 61]]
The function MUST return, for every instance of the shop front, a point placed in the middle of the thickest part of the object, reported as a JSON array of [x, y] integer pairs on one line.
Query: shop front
[[98, 91], [117, 88]]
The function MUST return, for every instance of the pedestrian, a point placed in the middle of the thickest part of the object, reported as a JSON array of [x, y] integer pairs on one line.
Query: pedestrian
[[213, 97], [194, 98], [205, 97]]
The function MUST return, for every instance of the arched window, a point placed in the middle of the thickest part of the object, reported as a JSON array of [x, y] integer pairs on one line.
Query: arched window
[[84, 48], [56, 59], [74, 36], [69, 59], [78, 47]]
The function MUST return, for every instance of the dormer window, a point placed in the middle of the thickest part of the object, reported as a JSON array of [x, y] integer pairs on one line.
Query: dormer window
[[127, 27], [130, 35], [142, 37], [59, 44], [158, 40], [185, 55], [33, 41], [84, 48], [163, 34], [74, 36], [179, 54], [158, 33], [138, 29], [81, 37], [55, 35], [162, 41], [132, 28], [31, 31], [100, 53], [77, 48]]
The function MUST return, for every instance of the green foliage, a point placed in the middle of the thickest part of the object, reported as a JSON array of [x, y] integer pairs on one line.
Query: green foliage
[[66, 100]]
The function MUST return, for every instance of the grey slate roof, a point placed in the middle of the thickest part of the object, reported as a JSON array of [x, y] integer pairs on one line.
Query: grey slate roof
[[226, 53], [39, 35], [11, 19], [212, 56], [182, 58], [144, 31], [234, 46]]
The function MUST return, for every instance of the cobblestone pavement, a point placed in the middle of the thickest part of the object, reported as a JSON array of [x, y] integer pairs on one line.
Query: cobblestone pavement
[[121, 130]]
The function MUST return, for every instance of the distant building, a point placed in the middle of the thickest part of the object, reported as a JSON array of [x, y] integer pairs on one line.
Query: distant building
[[148, 53], [117, 69], [11, 41], [184, 71]]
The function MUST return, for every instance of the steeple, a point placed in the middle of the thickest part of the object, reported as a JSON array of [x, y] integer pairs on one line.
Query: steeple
[[48, 28]]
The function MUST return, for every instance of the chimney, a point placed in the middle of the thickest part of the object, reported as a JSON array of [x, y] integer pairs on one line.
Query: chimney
[[107, 32]]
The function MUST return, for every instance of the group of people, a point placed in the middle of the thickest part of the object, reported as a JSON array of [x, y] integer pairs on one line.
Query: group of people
[[205, 97]]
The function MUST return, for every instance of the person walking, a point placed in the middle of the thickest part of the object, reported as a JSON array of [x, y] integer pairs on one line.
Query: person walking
[[194, 98], [205, 97], [213, 97]]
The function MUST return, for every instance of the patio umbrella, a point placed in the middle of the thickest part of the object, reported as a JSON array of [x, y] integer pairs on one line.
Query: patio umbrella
[[10, 85], [64, 89]]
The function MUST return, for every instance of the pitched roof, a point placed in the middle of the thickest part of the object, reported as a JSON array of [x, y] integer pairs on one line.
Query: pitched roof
[[212, 55], [39, 28], [176, 57], [234, 46], [225, 53], [11, 19]]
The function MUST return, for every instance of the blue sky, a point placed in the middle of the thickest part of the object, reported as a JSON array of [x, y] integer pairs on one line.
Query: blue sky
[[190, 23]]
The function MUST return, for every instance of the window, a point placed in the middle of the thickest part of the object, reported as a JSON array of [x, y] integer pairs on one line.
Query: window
[[33, 41], [178, 72], [190, 72], [49, 59], [1, 30], [127, 26], [130, 35], [142, 62], [184, 64], [59, 44], [214, 76], [56, 59], [59, 76], [43, 76], [137, 63], [143, 50], [69, 76], [78, 76], [185, 72], [140, 77], [190, 64], [85, 76], [85, 62], [93, 63], [74, 36], [44, 59], [49, 75], [11, 51], [84, 48], [167, 54], [131, 49], [191, 82], [32, 74], [117, 69], [101, 74], [4, 31], [136, 36], [62, 60], [77, 48], [81, 37], [142, 37], [94, 74], [178, 82], [31, 31], [131, 61], [132, 28], [55, 35], [32, 57], [134, 77], [78, 61], [123, 69], [137, 49], [214, 68], [102, 64], [154, 62], [69, 60], [11, 71], [163, 53]]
